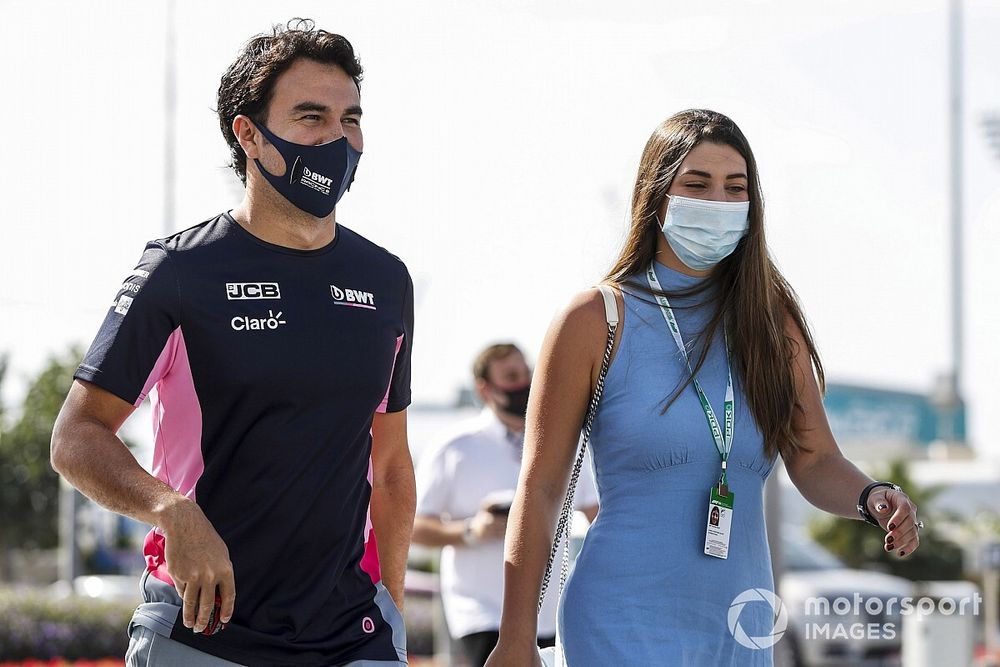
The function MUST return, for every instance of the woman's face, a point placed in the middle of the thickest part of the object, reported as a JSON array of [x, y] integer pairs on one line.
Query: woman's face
[[710, 171]]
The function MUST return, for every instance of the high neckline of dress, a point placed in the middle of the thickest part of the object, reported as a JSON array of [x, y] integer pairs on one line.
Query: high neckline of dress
[[672, 279]]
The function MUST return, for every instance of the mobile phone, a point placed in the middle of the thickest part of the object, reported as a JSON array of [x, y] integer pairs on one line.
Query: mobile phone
[[499, 509], [215, 623]]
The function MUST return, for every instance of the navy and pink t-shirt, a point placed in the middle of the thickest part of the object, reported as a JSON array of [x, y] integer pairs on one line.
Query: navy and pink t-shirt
[[265, 366]]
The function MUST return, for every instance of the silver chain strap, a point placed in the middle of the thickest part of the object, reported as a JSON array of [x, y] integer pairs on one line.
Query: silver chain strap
[[562, 528]]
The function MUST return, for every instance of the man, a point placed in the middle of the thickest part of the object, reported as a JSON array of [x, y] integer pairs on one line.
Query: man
[[464, 490], [276, 344]]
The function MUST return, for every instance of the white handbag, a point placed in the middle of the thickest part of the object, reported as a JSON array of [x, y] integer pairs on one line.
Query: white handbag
[[553, 656]]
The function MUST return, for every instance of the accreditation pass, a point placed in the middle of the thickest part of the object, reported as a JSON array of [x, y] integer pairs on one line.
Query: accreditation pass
[[720, 521]]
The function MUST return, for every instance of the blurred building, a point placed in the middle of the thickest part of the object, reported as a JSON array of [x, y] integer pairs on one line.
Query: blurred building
[[876, 425]]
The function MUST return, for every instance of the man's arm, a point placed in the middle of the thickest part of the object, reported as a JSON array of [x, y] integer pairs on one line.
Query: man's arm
[[89, 454], [432, 531], [394, 498]]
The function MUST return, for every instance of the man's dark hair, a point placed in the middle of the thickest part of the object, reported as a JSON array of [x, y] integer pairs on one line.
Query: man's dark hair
[[481, 365], [248, 84]]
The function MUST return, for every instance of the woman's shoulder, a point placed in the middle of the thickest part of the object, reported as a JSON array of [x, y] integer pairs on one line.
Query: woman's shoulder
[[575, 343], [582, 326], [588, 308]]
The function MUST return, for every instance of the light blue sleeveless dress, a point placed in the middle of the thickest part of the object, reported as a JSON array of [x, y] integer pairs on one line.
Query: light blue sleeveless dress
[[642, 591]]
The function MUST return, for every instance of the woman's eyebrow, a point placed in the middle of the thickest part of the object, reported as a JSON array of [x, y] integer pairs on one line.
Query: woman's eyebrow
[[705, 174]]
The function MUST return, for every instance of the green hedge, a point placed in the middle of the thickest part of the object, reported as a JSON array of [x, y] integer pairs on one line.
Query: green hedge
[[37, 626], [33, 625]]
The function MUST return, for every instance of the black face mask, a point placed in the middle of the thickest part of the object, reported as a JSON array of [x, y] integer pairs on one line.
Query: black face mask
[[316, 177], [517, 400]]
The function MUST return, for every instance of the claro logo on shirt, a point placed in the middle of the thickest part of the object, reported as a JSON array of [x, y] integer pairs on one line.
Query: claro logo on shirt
[[352, 297], [240, 291], [269, 323]]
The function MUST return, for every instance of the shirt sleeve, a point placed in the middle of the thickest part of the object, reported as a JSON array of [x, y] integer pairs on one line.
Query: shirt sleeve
[[398, 396], [126, 354], [434, 484]]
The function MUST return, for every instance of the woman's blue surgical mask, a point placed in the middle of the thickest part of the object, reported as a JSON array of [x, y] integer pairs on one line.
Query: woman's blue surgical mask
[[316, 177], [703, 232]]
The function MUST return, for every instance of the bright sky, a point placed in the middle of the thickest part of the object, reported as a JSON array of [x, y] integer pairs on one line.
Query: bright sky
[[501, 142]]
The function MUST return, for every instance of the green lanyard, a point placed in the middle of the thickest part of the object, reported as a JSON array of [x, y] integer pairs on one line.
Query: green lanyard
[[723, 440]]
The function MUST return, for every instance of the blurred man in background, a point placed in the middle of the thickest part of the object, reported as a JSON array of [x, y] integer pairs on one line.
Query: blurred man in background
[[464, 491], [277, 344]]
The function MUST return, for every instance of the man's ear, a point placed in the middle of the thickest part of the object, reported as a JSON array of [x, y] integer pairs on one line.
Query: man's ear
[[248, 136], [481, 387]]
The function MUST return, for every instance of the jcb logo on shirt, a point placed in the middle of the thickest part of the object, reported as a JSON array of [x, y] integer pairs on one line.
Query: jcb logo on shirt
[[352, 297], [239, 291]]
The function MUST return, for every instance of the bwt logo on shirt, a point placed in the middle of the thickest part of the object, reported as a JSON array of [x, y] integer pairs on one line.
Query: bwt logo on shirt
[[352, 297], [239, 291], [316, 181]]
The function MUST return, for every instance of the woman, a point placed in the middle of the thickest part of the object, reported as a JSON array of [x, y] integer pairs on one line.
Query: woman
[[655, 580]]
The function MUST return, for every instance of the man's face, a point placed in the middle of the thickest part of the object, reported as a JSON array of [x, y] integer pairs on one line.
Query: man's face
[[312, 103], [507, 373]]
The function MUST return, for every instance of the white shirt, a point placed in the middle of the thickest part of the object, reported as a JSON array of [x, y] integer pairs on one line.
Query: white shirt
[[453, 478]]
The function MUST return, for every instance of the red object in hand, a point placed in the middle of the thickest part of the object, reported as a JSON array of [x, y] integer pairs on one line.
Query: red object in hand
[[215, 623]]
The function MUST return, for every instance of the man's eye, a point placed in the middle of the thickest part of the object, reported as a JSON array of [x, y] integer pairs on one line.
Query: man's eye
[[694, 185], [352, 121], [311, 116], [737, 188]]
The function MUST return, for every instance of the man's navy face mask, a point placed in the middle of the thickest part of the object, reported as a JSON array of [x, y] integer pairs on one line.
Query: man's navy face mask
[[316, 177]]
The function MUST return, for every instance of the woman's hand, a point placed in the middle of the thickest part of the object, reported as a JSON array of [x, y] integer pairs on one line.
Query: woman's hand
[[507, 654], [897, 514]]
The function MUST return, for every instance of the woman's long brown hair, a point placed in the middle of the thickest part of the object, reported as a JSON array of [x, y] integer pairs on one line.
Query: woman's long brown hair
[[753, 299]]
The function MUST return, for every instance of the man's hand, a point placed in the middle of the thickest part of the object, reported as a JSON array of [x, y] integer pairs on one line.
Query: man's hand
[[486, 525], [87, 452], [198, 562]]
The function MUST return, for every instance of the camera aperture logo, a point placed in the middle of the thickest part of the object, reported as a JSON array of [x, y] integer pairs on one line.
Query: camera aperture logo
[[779, 618]]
